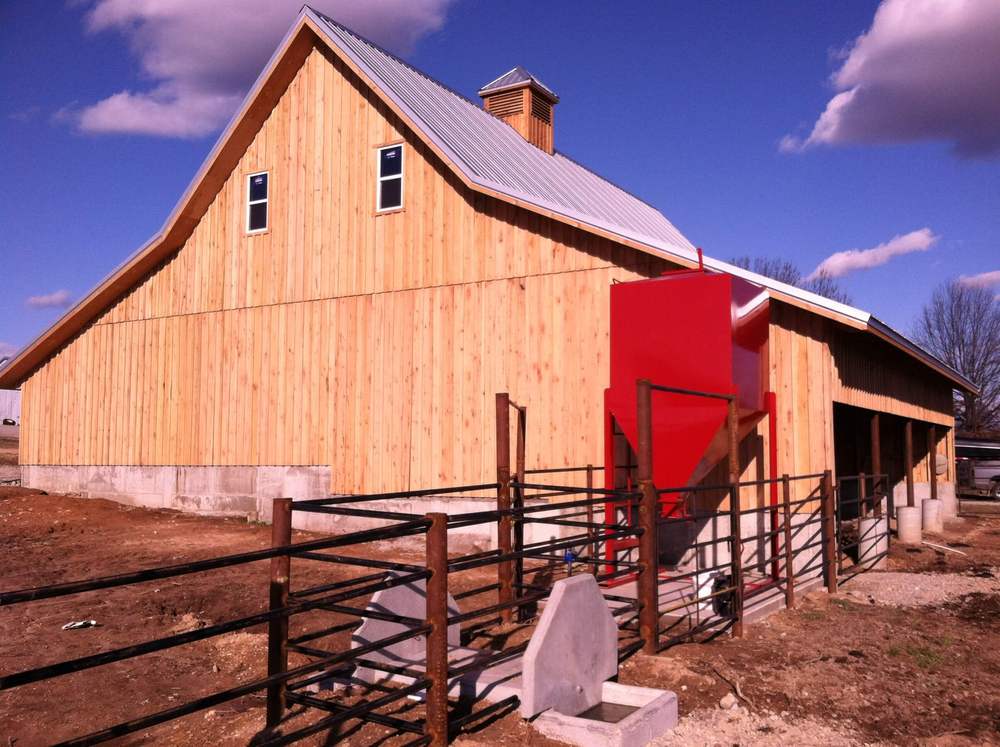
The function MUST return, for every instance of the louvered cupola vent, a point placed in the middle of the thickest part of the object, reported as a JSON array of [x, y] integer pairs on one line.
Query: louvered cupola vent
[[541, 109], [506, 104], [525, 103]]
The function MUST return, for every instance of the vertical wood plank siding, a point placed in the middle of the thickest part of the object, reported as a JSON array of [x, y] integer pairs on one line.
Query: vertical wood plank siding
[[373, 344]]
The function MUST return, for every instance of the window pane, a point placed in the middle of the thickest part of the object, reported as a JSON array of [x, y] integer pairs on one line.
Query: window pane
[[391, 194], [258, 187], [390, 162], [258, 216]]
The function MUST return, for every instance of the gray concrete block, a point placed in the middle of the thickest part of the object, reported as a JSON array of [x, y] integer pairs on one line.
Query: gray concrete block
[[909, 524], [949, 501], [873, 541], [655, 714], [407, 600], [931, 513], [573, 650]]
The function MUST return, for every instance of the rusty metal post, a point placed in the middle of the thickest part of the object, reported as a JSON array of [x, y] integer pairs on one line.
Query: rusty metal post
[[786, 492], [277, 628], [908, 459], [591, 533], [505, 568], [932, 460], [518, 499], [862, 498], [735, 516], [876, 436], [828, 512], [436, 723], [649, 612]]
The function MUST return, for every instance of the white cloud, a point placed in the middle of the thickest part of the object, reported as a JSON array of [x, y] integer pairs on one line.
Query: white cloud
[[59, 299], [982, 280], [201, 57], [925, 70], [842, 263]]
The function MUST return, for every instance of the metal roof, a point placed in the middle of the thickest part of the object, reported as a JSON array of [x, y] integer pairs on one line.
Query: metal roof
[[516, 77], [493, 155], [490, 155]]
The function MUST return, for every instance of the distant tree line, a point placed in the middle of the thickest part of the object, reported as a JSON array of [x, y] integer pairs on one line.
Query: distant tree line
[[961, 326], [785, 272]]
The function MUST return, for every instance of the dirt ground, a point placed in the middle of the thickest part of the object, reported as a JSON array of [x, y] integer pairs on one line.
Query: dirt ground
[[871, 665]]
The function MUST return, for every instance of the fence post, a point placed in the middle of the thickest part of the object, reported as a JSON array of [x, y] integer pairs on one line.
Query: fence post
[[932, 460], [436, 723], [838, 496], [590, 520], [876, 439], [518, 502], [829, 531], [786, 490], [908, 461], [649, 612], [505, 569], [277, 628], [735, 523]]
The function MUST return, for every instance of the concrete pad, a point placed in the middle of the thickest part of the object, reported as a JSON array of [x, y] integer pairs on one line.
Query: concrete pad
[[573, 650], [655, 713], [408, 600]]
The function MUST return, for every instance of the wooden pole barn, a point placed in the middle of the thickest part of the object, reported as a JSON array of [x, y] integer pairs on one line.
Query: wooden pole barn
[[355, 342]]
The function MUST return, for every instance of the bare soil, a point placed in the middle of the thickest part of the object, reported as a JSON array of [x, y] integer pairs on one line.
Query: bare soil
[[837, 670]]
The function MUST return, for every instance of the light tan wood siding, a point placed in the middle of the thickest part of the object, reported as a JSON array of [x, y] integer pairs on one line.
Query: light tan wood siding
[[373, 344]]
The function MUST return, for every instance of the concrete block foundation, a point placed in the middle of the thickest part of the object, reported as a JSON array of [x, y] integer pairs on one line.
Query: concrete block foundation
[[248, 492]]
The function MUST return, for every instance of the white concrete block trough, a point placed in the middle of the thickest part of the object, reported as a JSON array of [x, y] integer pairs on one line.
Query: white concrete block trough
[[564, 680]]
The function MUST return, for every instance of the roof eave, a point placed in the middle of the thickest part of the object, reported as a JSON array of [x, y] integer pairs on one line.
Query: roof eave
[[883, 330]]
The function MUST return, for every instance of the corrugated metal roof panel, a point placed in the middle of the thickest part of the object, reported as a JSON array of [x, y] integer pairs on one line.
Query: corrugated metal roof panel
[[495, 156]]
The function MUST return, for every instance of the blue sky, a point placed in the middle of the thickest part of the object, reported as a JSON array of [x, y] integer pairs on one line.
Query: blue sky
[[684, 104]]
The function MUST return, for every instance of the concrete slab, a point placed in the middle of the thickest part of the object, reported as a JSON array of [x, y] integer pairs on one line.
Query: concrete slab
[[573, 650]]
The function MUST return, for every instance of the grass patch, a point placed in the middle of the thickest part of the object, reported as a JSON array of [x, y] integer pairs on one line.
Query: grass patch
[[925, 658], [813, 615]]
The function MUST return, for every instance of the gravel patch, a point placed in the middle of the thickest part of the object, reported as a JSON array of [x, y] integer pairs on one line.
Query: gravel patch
[[712, 727], [919, 589]]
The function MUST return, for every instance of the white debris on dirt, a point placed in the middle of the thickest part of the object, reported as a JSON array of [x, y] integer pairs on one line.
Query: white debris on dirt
[[715, 727], [918, 589]]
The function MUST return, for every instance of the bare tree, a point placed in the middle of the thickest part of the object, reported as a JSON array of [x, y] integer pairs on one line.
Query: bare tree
[[785, 272], [961, 326]]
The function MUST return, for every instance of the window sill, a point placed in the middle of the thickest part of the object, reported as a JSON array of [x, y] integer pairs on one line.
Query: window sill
[[390, 211], [255, 234]]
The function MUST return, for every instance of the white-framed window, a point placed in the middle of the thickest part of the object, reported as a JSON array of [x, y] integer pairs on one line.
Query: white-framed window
[[257, 202], [389, 194]]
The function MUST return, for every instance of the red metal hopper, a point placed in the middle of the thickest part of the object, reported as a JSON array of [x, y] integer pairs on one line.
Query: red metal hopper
[[689, 330]]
